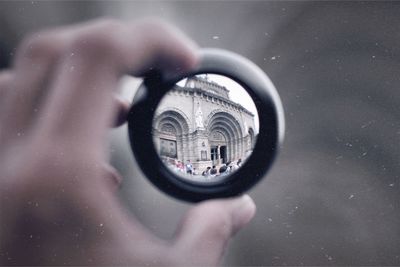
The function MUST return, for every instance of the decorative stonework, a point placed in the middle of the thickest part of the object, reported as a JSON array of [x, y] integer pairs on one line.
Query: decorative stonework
[[208, 128]]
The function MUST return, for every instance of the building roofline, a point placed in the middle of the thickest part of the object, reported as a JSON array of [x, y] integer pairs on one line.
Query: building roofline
[[200, 90]]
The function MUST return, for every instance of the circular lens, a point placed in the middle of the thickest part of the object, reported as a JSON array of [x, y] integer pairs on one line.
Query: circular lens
[[205, 128], [213, 132]]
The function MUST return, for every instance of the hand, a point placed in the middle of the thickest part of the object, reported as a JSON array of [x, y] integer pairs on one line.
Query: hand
[[56, 188]]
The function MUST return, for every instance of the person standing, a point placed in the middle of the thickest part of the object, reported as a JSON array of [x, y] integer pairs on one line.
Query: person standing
[[189, 168]]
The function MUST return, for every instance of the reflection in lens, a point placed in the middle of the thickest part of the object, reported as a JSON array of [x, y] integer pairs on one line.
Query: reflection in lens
[[205, 127]]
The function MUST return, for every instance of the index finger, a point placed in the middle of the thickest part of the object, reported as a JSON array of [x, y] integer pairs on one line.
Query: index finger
[[80, 105]]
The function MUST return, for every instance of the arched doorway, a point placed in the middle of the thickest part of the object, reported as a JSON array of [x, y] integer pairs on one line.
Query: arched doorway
[[170, 133], [225, 138]]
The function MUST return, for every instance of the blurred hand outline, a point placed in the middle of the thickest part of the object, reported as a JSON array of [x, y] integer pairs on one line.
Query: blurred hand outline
[[57, 191]]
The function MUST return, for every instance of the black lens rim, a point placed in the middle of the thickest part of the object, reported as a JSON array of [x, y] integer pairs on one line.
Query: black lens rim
[[270, 136]]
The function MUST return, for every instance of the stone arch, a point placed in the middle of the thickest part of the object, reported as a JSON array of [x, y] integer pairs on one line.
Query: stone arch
[[226, 124], [251, 140], [170, 126], [174, 112], [222, 111], [174, 118]]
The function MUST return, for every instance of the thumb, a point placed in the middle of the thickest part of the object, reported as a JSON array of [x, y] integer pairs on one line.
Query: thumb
[[207, 228]]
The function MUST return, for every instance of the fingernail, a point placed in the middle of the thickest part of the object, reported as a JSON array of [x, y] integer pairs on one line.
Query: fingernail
[[244, 211]]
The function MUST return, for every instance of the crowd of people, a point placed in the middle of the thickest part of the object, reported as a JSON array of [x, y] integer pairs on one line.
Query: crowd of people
[[187, 168], [224, 169], [180, 166]]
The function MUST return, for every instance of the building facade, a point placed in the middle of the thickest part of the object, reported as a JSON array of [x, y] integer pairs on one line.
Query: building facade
[[199, 122]]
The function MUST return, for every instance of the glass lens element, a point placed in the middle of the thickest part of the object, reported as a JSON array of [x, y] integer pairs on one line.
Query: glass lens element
[[205, 128]]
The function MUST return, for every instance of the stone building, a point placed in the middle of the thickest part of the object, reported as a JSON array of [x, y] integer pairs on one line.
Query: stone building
[[199, 122]]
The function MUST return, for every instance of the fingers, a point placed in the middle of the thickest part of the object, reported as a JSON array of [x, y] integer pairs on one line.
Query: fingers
[[165, 48], [121, 113], [33, 65], [205, 231], [80, 104], [80, 66], [114, 179]]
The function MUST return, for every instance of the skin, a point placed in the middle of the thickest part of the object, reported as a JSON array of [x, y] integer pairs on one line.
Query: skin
[[57, 191]]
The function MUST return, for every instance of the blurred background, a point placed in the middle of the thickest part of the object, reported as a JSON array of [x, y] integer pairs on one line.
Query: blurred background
[[332, 198]]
